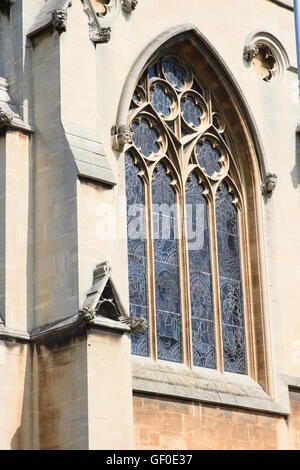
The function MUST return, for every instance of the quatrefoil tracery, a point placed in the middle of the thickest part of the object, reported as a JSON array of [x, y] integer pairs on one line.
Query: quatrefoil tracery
[[172, 116]]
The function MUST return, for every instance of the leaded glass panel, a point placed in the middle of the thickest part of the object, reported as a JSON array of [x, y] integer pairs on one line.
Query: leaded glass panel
[[200, 275], [208, 157], [145, 137], [161, 100], [166, 260], [191, 111], [137, 264], [233, 329]]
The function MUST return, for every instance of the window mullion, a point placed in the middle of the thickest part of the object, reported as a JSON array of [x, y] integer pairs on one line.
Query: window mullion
[[216, 285], [185, 286], [151, 274]]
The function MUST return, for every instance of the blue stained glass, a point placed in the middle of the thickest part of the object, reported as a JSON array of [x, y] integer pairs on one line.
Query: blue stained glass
[[200, 276], [208, 157], [191, 111], [197, 88], [152, 71], [137, 264], [166, 261], [161, 101], [175, 73], [233, 329], [145, 137], [171, 126]]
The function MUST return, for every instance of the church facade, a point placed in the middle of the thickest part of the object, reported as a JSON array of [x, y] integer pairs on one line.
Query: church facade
[[150, 208]]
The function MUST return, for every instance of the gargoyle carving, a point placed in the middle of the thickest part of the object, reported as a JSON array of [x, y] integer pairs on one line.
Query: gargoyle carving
[[5, 118], [129, 5], [121, 136], [59, 20], [136, 324], [87, 314], [268, 186]]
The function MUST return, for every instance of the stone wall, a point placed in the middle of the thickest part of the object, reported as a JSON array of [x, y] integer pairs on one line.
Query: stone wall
[[169, 423]]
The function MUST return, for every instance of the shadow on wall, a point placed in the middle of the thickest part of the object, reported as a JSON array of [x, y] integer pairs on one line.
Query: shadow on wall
[[54, 414], [295, 173]]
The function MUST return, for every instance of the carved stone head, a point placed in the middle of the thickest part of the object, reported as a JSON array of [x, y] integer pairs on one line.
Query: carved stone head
[[269, 184], [59, 20]]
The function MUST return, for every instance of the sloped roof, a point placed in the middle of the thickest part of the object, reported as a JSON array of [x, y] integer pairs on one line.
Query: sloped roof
[[9, 108], [44, 16]]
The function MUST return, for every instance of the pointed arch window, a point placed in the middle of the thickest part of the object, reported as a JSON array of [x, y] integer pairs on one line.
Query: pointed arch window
[[185, 255]]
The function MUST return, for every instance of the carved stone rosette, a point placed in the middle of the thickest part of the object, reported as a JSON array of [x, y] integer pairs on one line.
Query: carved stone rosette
[[5, 5], [269, 184], [263, 58], [129, 5], [59, 20], [121, 136]]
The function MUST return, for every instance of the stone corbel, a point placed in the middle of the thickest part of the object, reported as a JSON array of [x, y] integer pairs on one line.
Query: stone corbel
[[121, 136], [5, 6], [269, 184], [100, 35], [129, 5], [59, 20]]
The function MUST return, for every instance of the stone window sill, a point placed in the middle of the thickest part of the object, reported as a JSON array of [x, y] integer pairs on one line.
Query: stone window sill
[[204, 385]]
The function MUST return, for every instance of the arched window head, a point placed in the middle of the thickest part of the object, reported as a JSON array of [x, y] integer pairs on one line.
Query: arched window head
[[185, 218]]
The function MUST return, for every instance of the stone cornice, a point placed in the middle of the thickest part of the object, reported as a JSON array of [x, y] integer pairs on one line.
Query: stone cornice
[[60, 327], [289, 4]]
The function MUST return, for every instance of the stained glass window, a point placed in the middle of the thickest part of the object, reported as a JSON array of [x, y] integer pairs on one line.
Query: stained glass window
[[167, 298], [136, 252], [230, 283], [202, 314], [188, 276]]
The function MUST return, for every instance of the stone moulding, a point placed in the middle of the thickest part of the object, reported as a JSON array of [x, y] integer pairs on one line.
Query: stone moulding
[[102, 308], [5, 5]]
